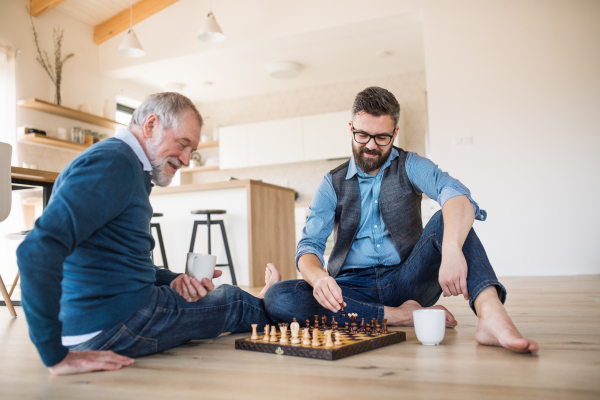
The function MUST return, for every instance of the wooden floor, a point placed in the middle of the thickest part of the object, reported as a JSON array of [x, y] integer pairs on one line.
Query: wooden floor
[[561, 313]]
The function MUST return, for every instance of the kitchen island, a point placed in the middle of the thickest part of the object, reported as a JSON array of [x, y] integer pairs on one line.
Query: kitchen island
[[259, 224]]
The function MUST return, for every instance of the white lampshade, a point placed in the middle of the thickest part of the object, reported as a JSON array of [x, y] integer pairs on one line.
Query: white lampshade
[[131, 46], [211, 31]]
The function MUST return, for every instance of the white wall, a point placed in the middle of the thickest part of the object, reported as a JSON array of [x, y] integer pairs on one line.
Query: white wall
[[82, 82], [523, 79]]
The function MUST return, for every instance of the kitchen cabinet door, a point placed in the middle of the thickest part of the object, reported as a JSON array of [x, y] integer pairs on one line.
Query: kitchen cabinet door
[[275, 142], [327, 136], [233, 146]]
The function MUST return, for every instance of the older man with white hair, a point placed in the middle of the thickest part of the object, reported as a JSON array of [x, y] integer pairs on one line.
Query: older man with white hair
[[90, 289]]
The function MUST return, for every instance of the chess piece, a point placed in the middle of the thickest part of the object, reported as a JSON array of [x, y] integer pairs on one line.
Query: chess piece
[[295, 328], [254, 334], [328, 340], [347, 328], [324, 322], [315, 339], [316, 322], [378, 329], [353, 328], [342, 311], [338, 340], [335, 327], [333, 321], [273, 334], [306, 337], [384, 329], [368, 328], [284, 339], [308, 324], [362, 325], [266, 337], [352, 317]]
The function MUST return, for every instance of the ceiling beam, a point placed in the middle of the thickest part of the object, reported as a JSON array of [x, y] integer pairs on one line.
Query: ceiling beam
[[37, 8], [120, 22]]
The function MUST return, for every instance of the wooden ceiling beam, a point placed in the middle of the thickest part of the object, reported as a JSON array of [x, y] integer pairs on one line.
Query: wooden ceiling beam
[[37, 8], [120, 22]]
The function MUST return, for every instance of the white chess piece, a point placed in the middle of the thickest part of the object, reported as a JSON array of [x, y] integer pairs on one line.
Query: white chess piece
[[295, 328], [306, 337]]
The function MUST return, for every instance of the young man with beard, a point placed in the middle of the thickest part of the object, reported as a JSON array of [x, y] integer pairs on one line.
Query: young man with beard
[[383, 263], [89, 287]]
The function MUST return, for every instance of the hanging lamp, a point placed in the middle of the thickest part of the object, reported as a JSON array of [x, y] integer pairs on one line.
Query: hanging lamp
[[211, 31], [131, 46]]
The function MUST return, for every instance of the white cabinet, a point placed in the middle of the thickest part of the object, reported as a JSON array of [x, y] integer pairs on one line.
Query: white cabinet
[[327, 136], [233, 146], [275, 142]]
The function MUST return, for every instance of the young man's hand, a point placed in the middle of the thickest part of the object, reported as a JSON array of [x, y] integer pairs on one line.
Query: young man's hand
[[328, 293], [191, 289], [79, 362], [453, 273]]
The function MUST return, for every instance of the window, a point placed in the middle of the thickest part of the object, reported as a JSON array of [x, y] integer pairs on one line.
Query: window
[[124, 114]]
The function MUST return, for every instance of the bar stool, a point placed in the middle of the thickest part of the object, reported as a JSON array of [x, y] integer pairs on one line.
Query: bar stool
[[208, 223], [163, 254]]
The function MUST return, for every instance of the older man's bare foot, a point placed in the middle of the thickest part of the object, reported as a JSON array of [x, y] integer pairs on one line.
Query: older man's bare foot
[[495, 326], [403, 315], [272, 276]]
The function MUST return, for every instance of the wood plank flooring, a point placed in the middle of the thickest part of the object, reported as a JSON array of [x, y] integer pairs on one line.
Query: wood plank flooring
[[561, 313]]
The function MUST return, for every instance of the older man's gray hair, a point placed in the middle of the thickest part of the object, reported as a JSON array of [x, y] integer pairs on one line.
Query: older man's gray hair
[[170, 107]]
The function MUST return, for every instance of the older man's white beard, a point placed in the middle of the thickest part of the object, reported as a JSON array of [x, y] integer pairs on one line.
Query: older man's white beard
[[159, 175]]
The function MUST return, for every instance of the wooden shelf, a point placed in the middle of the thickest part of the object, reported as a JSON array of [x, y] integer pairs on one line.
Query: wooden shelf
[[50, 141], [44, 106], [206, 145], [200, 169]]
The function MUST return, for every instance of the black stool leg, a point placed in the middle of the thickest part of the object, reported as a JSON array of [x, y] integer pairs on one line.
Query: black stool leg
[[161, 244], [229, 260], [194, 229], [208, 224]]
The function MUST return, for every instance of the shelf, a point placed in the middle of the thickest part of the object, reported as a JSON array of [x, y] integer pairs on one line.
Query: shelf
[[44, 106], [50, 141], [206, 145], [200, 169]]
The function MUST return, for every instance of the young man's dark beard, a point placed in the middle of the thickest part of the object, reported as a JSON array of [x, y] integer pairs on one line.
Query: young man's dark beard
[[370, 164]]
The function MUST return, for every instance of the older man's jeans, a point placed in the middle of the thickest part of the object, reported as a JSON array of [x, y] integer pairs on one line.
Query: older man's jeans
[[168, 321], [367, 290]]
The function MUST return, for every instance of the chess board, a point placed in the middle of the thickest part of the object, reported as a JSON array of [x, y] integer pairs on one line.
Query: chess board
[[352, 343]]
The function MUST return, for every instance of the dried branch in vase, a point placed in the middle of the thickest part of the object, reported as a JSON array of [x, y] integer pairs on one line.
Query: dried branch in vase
[[54, 72]]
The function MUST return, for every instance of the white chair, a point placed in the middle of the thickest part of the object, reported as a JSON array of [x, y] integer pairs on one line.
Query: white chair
[[5, 204]]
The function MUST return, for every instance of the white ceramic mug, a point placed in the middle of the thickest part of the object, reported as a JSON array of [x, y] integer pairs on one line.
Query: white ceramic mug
[[201, 266], [430, 326]]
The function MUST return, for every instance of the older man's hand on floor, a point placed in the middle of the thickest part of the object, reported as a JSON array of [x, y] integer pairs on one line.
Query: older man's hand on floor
[[191, 289], [79, 362]]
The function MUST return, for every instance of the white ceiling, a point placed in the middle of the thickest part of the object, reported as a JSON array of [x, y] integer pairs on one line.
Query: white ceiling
[[334, 40]]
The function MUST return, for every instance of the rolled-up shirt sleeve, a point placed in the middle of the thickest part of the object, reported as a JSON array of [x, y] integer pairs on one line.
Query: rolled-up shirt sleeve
[[319, 224], [437, 184]]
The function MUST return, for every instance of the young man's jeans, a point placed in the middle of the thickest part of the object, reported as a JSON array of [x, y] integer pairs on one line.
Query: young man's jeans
[[168, 321], [367, 290]]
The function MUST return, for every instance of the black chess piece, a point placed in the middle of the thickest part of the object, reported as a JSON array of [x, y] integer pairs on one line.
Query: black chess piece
[[352, 318], [347, 327], [333, 321], [342, 311], [368, 329], [308, 324], [362, 325], [384, 330]]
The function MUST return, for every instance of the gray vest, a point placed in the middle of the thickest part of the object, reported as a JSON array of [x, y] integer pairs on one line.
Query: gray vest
[[399, 205]]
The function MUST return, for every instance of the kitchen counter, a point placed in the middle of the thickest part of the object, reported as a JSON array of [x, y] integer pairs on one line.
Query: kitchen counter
[[259, 224]]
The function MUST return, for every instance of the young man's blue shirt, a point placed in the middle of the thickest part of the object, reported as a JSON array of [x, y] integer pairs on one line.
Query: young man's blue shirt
[[373, 244]]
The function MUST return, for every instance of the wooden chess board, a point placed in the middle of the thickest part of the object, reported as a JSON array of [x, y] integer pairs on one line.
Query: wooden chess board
[[352, 343]]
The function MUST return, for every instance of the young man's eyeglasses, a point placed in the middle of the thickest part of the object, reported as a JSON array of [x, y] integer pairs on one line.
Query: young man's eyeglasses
[[364, 138]]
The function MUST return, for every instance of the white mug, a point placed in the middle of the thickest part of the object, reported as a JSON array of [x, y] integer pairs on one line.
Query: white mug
[[201, 266], [430, 326]]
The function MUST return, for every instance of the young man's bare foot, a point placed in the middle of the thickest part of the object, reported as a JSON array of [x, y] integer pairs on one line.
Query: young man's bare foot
[[272, 276], [495, 326], [403, 315]]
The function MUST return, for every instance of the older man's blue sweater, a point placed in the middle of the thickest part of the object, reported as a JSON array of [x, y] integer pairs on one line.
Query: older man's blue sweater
[[86, 265]]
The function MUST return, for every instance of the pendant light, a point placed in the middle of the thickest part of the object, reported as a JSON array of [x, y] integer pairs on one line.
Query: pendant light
[[131, 46], [211, 31]]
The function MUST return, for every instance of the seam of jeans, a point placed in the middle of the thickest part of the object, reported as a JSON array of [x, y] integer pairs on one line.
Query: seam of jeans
[[413, 256]]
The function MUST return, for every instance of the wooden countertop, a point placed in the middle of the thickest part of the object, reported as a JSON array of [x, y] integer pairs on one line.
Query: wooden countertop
[[238, 183], [37, 175]]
